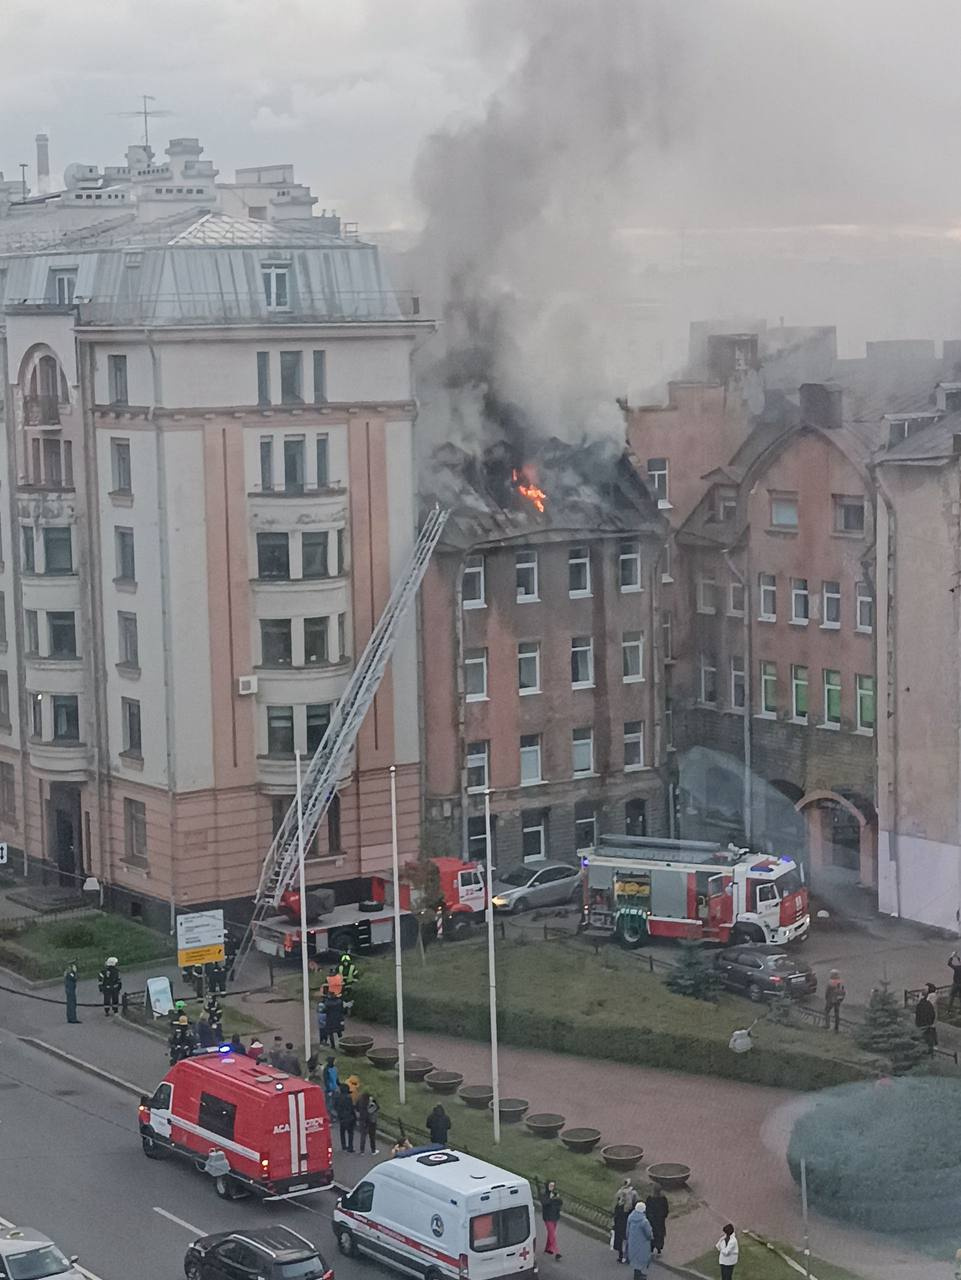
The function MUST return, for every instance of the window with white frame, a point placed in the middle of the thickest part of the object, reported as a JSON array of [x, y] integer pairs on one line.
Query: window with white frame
[[767, 597], [707, 593], [784, 511], [657, 474], [633, 744], [478, 755], [799, 693], [525, 572], [708, 682], [832, 698], [472, 590], [738, 684], [629, 566], [533, 834], [585, 826], [475, 675], [768, 689], [117, 379], [667, 634], [667, 561], [735, 598], [582, 751], [632, 656], [831, 605], [65, 284], [528, 667], [726, 508], [800, 601], [866, 703], [579, 571], [848, 513], [530, 752], [276, 288], [582, 662], [865, 608]]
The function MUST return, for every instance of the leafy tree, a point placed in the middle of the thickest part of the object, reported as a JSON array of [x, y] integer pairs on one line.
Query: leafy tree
[[694, 974], [887, 1032]]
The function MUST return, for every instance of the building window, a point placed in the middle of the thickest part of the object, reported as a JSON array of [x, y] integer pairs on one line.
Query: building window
[[533, 834], [530, 752], [585, 826], [525, 570], [275, 288], [582, 751], [582, 662], [832, 698], [800, 601], [117, 379], [126, 561], [316, 640], [36, 714], [323, 463], [120, 465], [708, 690], [769, 689], [478, 760], [4, 703], [799, 693], [477, 836], [848, 514], [866, 704], [865, 608], [135, 832], [579, 572], [263, 378], [291, 377], [629, 566], [632, 656], [667, 634], [657, 478], [266, 464], [31, 633], [52, 468], [8, 793], [528, 667], [767, 595], [735, 598], [333, 824], [275, 644], [784, 513], [28, 548], [129, 644], [294, 464], [3, 618], [738, 685], [273, 555], [831, 605], [320, 377], [667, 560], [633, 744], [66, 718], [318, 721], [132, 742], [726, 508], [57, 550], [62, 635], [635, 818], [472, 588], [65, 284], [342, 648], [314, 555], [475, 675], [280, 731], [707, 593]]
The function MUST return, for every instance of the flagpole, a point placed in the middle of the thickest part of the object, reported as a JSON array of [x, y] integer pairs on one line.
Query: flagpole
[[398, 969], [302, 872], [491, 972]]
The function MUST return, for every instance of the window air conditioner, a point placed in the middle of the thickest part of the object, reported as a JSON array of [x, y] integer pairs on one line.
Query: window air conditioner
[[246, 685]]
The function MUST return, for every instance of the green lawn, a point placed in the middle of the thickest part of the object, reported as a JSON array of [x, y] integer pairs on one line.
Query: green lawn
[[759, 1263], [45, 949]]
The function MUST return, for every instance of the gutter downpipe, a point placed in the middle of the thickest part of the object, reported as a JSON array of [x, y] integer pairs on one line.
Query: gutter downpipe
[[891, 681], [746, 728]]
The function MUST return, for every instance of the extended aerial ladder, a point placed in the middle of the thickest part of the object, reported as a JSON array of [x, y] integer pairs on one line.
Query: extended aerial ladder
[[319, 781]]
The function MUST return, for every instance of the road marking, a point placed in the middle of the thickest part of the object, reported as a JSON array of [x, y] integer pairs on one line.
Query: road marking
[[172, 1217], [90, 1275]]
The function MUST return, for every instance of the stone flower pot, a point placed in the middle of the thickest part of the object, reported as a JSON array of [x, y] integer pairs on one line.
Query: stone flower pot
[[545, 1124], [581, 1141], [443, 1081], [511, 1109], [622, 1156], [672, 1177], [478, 1096], [354, 1046], [417, 1068], [383, 1057]]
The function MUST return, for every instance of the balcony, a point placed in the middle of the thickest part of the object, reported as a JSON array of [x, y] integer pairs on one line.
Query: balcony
[[70, 761], [41, 411]]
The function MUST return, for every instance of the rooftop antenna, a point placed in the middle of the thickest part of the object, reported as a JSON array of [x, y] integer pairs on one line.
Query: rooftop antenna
[[23, 180], [146, 114]]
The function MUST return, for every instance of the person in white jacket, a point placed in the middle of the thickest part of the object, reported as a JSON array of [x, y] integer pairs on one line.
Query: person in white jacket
[[727, 1252]]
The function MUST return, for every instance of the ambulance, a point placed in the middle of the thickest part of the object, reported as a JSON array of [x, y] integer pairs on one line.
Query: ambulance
[[250, 1127]]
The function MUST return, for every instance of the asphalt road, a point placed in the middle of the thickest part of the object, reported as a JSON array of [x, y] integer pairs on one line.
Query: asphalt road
[[72, 1167]]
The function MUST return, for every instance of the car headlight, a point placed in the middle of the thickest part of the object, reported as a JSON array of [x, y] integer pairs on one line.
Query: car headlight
[[499, 901]]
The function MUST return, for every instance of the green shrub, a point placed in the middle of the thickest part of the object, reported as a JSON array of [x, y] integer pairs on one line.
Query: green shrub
[[694, 974], [79, 935]]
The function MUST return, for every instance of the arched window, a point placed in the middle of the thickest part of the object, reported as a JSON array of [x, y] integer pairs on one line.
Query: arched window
[[44, 387]]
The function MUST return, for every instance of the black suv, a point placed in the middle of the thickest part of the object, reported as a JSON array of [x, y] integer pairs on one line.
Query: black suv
[[763, 971], [264, 1253]]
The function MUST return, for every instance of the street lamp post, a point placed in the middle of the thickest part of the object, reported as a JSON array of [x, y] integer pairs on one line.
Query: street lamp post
[[491, 971], [398, 969], [302, 885]]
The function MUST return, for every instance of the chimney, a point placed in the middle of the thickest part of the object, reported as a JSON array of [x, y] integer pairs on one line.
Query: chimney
[[731, 355], [822, 405], [43, 163]]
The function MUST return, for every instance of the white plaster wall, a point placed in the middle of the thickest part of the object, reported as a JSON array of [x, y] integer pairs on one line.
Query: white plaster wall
[[140, 388], [368, 369], [930, 880]]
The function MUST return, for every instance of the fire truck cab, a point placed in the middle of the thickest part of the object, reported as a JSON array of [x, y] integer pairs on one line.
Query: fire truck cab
[[637, 888]]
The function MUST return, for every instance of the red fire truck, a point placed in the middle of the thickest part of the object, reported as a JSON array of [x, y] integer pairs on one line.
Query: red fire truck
[[637, 888]]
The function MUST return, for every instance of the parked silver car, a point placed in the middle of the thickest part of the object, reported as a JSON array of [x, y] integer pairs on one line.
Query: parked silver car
[[26, 1254], [536, 884]]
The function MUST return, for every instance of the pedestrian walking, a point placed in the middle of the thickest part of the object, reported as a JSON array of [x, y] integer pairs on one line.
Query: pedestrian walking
[[926, 1015], [331, 1081], [657, 1208], [727, 1252], [334, 1008], [290, 1059], [834, 994], [639, 1241], [110, 984], [438, 1126], [624, 1202], [321, 1022], [368, 1113], [551, 1205], [70, 991], [954, 964], [347, 1118]]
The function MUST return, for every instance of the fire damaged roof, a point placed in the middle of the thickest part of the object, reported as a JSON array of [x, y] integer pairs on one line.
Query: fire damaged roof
[[588, 489]]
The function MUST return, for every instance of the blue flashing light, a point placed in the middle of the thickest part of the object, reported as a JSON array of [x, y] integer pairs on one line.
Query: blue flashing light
[[585, 862], [224, 1048]]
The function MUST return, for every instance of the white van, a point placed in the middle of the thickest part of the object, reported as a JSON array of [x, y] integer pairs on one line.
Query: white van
[[441, 1215]]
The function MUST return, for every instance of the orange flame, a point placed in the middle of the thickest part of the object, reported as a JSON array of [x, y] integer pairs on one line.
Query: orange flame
[[524, 483]]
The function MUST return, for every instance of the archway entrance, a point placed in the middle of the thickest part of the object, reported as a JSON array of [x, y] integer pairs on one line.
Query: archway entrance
[[842, 839]]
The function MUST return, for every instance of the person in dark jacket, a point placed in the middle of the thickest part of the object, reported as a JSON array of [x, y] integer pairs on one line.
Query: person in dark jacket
[[70, 991], [205, 1033], [110, 986], [657, 1208], [346, 1117], [438, 1126], [237, 1045], [551, 1205], [624, 1202], [926, 1015], [182, 1041], [368, 1113], [290, 1060], [334, 1009]]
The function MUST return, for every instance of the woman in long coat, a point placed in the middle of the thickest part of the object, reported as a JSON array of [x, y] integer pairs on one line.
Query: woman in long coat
[[639, 1241]]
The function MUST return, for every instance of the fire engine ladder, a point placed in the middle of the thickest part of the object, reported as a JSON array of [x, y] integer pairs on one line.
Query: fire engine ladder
[[319, 781]]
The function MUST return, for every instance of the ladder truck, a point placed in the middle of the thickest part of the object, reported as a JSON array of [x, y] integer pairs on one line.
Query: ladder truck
[[369, 923]]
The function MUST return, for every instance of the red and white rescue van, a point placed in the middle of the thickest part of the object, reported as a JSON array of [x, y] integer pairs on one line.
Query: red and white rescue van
[[636, 887], [249, 1126]]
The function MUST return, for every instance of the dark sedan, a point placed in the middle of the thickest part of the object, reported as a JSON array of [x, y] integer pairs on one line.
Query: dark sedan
[[269, 1253], [763, 972]]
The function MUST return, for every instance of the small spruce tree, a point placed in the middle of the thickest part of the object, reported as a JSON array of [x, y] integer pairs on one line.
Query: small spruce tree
[[887, 1032], [694, 975], [782, 1007]]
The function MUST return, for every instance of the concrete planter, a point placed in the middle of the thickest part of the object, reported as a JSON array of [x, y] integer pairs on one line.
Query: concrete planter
[[478, 1096], [383, 1057], [354, 1046], [443, 1081], [545, 1124], [581, 1141], [622, 1156], [511, 1109], [672, 1177], [417, 1068]]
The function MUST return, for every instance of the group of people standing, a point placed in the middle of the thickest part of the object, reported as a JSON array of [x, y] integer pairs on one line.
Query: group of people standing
[[336, 1000], [639, 1226], [352, 1108]]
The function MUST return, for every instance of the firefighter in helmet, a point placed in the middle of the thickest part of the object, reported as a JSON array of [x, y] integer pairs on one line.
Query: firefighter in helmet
[[110, 984], [350, 973]]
